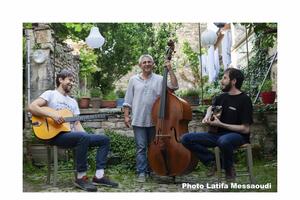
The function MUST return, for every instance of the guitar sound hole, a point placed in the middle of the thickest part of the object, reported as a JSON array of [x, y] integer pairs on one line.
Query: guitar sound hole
[[36, 123]]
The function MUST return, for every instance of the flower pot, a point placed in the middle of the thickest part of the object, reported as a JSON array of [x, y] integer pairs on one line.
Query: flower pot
[[38, 154], [268, 97], [206, 102], [120, 102], [108, 103], [192, 100], [84, 102], [95, 102]]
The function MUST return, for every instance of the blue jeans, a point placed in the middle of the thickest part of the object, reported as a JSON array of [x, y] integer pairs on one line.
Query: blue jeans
[[81, 141], [143, 136], [227, 142]]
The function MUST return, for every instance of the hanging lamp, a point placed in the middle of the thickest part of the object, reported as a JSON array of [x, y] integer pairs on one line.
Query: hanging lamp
[[95, 39]]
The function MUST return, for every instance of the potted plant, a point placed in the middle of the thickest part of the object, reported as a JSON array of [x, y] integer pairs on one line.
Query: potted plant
[[190, 95], [267, 95], [96, 96], [210, 90], [207, 99], [109, 100], [83, 99], [120, 94]]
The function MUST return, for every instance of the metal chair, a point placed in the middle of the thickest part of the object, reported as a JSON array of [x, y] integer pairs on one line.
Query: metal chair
[[249, 172]]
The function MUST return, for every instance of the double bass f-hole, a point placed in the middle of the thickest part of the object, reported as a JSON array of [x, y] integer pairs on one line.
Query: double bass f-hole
[[175, 134]]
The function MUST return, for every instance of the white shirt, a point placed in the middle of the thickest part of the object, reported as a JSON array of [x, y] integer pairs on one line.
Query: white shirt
[[58, 101], [140, 97]]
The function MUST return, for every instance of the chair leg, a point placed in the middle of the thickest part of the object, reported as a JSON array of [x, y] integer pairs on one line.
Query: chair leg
[[250, 164], [48, 164], [55, 172], [74, 163], [218, 163]]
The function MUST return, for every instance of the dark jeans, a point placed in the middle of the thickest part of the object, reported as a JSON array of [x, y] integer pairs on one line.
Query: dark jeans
[[81, 141], [227, 142]]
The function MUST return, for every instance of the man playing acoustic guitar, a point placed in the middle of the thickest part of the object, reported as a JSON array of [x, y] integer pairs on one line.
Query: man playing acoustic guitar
[[233, 125], [77, 138]]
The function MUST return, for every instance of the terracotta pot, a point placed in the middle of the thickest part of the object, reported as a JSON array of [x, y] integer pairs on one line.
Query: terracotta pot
[[206, 102], [192, 100], [108, 104], [84, 102], [268, 97]]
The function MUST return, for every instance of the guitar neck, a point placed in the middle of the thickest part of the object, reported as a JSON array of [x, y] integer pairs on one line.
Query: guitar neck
[[85, 117]]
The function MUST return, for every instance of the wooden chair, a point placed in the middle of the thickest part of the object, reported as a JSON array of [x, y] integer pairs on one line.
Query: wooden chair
[[54, 169], [249, 172]]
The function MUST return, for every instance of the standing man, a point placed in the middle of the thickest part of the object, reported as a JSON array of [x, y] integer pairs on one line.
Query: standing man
[[233, 125], [143, 89], [77, 138]]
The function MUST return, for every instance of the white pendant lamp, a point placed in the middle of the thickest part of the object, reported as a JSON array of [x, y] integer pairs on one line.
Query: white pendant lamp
[[95, 39]]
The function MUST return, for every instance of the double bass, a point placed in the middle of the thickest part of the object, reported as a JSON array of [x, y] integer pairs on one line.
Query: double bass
[[171, 115]]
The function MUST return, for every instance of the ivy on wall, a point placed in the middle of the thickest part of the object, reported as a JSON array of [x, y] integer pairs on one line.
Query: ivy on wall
[[265, 38]]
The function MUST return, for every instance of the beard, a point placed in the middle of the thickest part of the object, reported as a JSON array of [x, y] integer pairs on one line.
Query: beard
[[226, 88], [67, 88]]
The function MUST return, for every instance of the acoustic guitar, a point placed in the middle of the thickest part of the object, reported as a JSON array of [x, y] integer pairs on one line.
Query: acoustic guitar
[[216, 112], [46, 128]]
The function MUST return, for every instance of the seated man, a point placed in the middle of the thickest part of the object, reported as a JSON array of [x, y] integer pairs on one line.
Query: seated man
[[77, 138], [233, 127]]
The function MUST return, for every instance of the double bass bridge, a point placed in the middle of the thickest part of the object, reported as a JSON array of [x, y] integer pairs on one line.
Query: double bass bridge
[[163, 135]]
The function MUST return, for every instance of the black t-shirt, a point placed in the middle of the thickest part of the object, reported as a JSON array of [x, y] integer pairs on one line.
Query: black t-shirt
[[236, 109]]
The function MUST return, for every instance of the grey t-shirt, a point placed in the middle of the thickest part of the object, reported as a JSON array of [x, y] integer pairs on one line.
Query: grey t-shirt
[[140, 96]]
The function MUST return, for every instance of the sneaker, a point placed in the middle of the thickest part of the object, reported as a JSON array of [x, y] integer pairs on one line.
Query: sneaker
[[105, 181], [230, 174], [141, 178], [84, 184], [212, 169], [149, 174]]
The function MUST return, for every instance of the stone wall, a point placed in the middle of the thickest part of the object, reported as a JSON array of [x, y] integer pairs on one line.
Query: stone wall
[[56, 57]]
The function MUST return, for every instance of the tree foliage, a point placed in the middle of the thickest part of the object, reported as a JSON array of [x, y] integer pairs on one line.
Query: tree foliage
[[162, 34], [124, 43]]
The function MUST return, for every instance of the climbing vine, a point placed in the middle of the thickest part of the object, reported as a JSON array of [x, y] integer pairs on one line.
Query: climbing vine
[[265, 38]]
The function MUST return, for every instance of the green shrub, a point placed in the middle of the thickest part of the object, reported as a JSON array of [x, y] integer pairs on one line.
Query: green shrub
[[188, 93], [123, 147], [110, 96], [120, 93], [267, 86], [96, 92]]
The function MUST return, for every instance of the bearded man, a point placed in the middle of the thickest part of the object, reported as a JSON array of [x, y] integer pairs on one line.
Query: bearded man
[[233, 126], [77, 138]]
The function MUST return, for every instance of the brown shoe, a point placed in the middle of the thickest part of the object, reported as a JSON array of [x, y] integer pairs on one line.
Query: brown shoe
[[212, 169], [230, 174], [105, 181], [85, 184]]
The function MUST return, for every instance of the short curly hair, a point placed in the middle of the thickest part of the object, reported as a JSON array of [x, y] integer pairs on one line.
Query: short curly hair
[[236, 74], [63, 74]]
